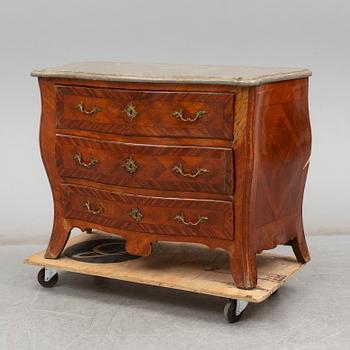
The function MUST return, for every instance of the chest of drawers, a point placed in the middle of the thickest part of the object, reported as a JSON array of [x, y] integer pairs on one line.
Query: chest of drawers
[[200, 154]]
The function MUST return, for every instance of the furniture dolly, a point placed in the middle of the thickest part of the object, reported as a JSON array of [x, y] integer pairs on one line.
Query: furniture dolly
[[180, 266]]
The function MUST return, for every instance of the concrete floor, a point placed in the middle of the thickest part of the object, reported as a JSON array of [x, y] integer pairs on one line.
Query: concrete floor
[[312, 311]]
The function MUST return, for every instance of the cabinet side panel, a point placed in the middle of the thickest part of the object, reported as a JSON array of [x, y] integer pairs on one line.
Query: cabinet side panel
[[48, 137], [60, 229], [282, 146]]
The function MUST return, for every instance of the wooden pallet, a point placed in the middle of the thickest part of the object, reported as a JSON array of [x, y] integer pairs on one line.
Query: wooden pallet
[[188, 267]]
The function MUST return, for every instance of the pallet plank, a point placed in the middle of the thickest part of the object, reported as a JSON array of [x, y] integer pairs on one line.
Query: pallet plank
[[188, 267]]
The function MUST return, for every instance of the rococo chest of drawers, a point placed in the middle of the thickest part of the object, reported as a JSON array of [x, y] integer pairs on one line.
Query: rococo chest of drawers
[[202, 154]]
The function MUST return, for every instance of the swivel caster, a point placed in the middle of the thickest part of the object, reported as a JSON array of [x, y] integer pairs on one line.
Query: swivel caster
[[234, 309], [88, 230], [47, 277]]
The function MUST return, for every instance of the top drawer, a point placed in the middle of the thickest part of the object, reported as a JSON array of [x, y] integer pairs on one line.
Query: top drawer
[[146, 113]]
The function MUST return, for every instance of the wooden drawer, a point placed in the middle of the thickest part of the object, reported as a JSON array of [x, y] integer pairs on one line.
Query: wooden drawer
[[149, 214], [146, 113], [173, 168]]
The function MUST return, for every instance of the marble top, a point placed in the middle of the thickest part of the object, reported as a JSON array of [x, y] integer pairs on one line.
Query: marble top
[[170, 73]]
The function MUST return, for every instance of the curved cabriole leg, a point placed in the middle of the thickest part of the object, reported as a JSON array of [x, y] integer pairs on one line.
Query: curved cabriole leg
[[299, 245], [59, 237], [244, 271], [300, 250]]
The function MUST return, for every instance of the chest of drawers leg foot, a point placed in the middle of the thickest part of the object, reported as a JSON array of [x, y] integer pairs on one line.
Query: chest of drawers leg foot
[[59, 237], [243, 269]]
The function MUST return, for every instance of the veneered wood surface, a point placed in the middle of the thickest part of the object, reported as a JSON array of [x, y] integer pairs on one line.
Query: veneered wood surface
[[282, 147], [154, 112], [249, 164], [188, 267], [158, 213], [277, 156], [155, 165]]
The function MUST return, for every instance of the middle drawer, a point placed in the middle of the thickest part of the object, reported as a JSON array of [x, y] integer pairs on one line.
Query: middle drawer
[[158, 167]]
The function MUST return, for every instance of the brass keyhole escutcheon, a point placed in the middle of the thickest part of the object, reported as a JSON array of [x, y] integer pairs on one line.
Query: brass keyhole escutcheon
[[130, 165], [130, 111], [136, 214]]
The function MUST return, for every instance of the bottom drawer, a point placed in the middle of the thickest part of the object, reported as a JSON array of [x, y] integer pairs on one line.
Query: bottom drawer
[[164, 216]]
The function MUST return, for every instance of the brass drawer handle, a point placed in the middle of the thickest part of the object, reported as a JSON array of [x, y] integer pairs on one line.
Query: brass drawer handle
[[93, 111], [79, 159], [199, 171], [98, 211], [181, 219], [130, 111], [180, 115]]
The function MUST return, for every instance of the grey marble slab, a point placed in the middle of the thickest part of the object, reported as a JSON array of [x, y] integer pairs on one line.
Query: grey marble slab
[[170, 73]]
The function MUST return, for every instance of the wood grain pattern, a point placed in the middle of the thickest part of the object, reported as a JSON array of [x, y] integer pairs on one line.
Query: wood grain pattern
[[154, 112], [240, 119], [281, 146], [60, 228], [155, 165], [158, 213]]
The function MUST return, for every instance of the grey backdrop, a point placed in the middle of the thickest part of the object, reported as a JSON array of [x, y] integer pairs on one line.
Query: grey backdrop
[[35, 34]]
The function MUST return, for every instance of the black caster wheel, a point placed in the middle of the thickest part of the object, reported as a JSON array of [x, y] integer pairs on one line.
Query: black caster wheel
[[88, 230], [234, 309], [47, 283]]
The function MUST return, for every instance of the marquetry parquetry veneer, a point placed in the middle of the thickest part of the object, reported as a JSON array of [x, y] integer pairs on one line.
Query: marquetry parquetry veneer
[[205, 154]]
